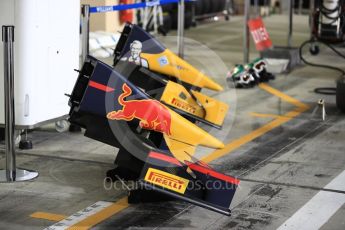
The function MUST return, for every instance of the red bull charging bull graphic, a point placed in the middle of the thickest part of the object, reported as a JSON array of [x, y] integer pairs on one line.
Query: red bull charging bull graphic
[[152, 114]]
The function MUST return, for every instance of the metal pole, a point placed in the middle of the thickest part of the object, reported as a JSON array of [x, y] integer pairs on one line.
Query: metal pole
[[11, 173], [256, 8], [8, 39], [291, 5], [300, 6], [193, 15], [267, 7], [155, 24], [145, 18], [180, 28], [311, 12], [246, 32], [85, 12]]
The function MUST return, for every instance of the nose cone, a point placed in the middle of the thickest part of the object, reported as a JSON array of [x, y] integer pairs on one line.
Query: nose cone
[[191, 75], [184, 131], [210, 84], [170, 64], [210, 141]]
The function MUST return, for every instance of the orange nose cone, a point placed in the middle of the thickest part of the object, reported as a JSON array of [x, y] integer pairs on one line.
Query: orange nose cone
[[184, 131], [211, 142], [208, 83], [179, 68]]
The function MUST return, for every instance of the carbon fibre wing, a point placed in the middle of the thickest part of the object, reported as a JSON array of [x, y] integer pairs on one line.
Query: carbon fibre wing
[[195, 183]]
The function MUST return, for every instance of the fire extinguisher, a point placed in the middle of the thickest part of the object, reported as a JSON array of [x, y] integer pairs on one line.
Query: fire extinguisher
[[126, 15]]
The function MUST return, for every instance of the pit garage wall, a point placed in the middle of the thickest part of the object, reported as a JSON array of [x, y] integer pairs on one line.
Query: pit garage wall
[[104, 21]]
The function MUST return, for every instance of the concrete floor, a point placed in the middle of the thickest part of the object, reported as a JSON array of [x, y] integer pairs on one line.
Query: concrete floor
[[284, 159]]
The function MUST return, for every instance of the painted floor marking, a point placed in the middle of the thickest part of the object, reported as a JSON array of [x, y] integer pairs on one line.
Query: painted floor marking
[[265, 115], [89, 219], [338, 183], [278, 121], [47, 216], [102, 215], [317, 211], [79, 216]]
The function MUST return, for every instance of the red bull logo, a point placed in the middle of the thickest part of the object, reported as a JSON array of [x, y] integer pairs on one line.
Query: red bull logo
[[152, 114]]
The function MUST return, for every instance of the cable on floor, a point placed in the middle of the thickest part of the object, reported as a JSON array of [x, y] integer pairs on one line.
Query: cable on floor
[[322, 90]]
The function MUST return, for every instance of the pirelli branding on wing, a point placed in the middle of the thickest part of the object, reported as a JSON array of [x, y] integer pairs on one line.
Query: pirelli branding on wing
[[166, 180], [182, 105]]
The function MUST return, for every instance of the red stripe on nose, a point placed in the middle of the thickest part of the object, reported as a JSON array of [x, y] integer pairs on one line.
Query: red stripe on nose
[[100, 86]]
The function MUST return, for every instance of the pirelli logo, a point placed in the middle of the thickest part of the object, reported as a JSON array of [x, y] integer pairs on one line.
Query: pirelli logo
[[166, 180], [184, 106]]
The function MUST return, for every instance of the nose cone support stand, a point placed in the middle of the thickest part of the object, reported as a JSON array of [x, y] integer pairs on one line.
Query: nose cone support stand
[[11, 173]]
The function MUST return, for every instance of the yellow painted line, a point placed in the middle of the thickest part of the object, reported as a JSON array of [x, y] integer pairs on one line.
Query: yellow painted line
[[265, 115], [47, 216], [122, 204], [278, 121], [283, 96], [244, 139], [104, 214]]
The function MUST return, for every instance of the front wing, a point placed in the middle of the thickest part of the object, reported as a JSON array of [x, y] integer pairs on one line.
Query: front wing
[[195, 183]]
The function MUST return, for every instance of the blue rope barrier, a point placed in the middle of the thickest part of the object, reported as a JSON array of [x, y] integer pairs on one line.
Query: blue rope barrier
[[103, 9]]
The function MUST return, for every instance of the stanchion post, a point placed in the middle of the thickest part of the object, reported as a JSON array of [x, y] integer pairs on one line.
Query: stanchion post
[[85, 29], [155, 24], [291, 6], [300, 6], [8, 39], [11, 173], [268, 7], [246, 42], [256, 8], [311, 14], [180, 28]]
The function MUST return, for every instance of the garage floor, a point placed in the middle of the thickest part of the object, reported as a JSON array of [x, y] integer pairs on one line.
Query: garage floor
[[291, 163]]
